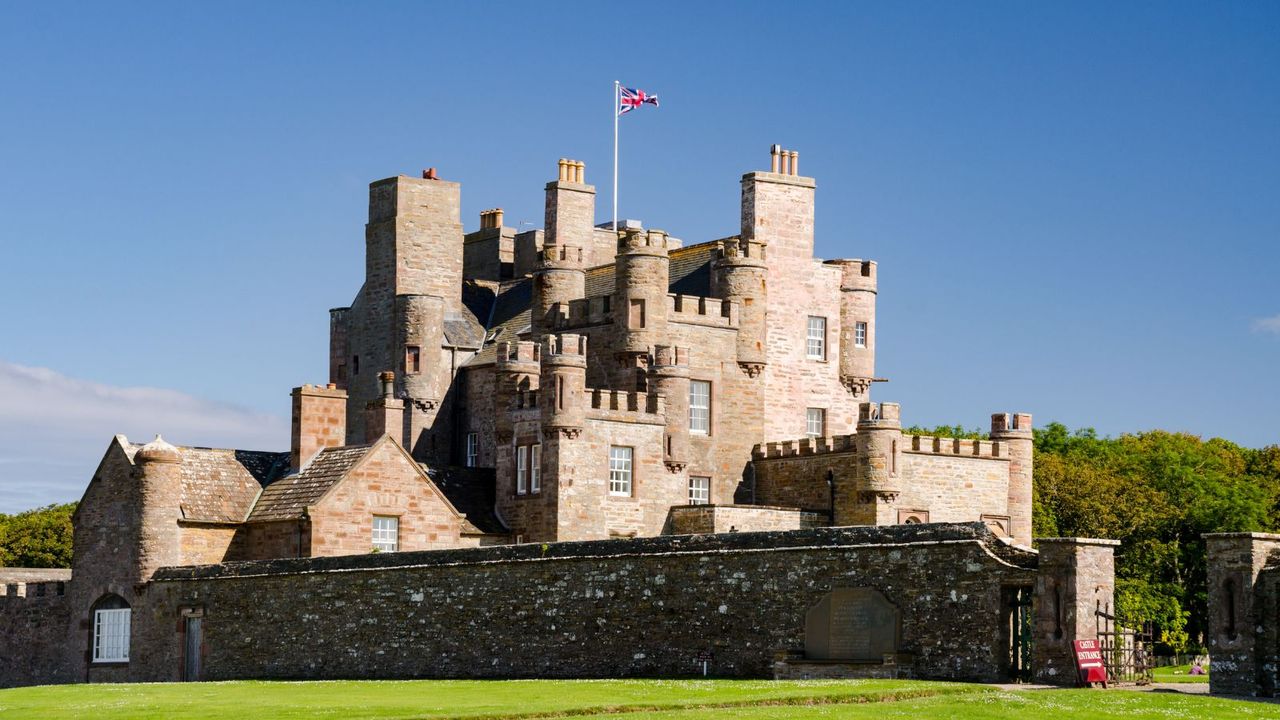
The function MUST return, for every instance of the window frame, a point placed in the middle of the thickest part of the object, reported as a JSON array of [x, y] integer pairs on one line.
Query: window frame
[[535, 468], [705, 490], [473, 449], [860, 334], [380, 544], [105, 619], [706, 419], [820, 338], [522, 470], [412, 359], [822, 421], [622, 479]]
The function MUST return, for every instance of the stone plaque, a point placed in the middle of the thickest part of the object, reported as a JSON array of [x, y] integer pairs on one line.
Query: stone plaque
[[857, 624]]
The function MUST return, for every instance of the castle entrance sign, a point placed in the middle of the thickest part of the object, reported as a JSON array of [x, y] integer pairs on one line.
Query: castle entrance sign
[[854, 624]]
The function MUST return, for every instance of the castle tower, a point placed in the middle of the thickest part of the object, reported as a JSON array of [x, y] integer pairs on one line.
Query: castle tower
[[876, 476], [670, 375], [1014, 432], [558, 275], [158, 470], [739, 275], [857, 325], [562, 392], [516, 371], [640, 293]]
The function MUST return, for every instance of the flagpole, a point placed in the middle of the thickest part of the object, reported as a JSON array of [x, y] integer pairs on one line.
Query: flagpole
[[616, 86]]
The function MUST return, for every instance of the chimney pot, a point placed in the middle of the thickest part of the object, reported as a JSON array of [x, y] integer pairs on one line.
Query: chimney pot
[[430, 174]]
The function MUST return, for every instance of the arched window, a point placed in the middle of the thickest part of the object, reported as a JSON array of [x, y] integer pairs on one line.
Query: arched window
[[111, 615]]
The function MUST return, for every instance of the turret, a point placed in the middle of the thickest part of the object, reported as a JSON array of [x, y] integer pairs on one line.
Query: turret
[[558, 273], [670, 378], [562, 393], [857, 324], [879, 445], [739, 275], [158, 471], [419, 323], [1014, 432], [516, 371], [640, 291]]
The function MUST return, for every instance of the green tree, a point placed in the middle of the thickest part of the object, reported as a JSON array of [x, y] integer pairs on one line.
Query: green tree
[[37, 538]]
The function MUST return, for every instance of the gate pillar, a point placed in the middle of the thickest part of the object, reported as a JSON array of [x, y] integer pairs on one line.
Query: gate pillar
[[1075, 577]]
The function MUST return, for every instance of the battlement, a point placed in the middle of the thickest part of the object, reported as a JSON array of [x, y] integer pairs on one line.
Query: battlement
[[525, 400], [804, 446], [32, 590], [565, 345], [491, 218], [924, 444], [583, 311], [628, 405], [1010, 423], [670, 355], [555, 256], [887, 413], [640, 241], [697, 310], [524, 351], [856, 274], [734, 248]]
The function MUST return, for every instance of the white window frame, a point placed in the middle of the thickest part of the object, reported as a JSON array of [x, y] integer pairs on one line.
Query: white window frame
[[111, 635], [700, 407], [535, 468], [473, 449], [815, 416], [621, 465], [386, 535], [522, 469], [860, 334], [815, 338], [699, 490]]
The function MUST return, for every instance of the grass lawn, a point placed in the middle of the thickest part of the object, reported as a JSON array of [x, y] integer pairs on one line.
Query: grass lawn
[[1177, 674], [629, 699]]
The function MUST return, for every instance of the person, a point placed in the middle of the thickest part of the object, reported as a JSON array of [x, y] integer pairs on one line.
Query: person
[[1196, 668]]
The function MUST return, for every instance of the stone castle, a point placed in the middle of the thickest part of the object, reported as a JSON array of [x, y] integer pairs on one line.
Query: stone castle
[[574, 383]]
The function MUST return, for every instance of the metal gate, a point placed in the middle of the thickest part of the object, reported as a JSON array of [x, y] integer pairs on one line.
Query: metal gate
[[1018, 631], [1126, 652]]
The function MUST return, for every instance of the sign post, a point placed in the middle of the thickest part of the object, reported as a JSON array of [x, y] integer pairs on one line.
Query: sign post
[[705, 657], [1089, 663]]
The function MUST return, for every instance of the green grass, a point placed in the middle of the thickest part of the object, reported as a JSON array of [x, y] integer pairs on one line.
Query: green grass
[[623, 699], [1177, 674]]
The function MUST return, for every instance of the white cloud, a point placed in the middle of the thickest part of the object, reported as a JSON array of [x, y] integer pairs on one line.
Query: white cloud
[[54, 429], [1267, 325]]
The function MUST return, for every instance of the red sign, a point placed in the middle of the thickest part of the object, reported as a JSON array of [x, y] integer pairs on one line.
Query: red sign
[[1089, 662]]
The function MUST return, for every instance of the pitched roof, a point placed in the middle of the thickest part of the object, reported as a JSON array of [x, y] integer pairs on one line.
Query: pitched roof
[[689, 274], [220, 485], [472, 492], [288, 497]]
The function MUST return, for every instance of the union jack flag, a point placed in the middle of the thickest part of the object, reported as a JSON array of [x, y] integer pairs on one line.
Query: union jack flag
[[630, 99]]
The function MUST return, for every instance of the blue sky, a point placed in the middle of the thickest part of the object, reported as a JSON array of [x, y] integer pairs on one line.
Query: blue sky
[[1075, 207]]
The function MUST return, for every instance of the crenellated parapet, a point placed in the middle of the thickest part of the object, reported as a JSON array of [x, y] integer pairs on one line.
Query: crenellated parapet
[[32, 591], [648, 408], [698, 310]]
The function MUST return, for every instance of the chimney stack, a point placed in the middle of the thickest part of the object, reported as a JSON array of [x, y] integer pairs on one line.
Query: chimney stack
[[319, 422]]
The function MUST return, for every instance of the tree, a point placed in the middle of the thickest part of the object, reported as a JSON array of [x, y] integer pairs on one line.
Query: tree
[[37, 538]]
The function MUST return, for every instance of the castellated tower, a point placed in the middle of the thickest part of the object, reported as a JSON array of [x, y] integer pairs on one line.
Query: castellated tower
[[561, 395], [739, 275], [558, 275], [877, 475], [1014, 432], [640, 295], [158, 471], [670, 378], [857, 324], [516, 371]]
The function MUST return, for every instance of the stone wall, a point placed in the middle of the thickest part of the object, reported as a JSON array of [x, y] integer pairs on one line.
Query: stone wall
[[642, 607], [1243, 631], [694, 519], [33, 637]]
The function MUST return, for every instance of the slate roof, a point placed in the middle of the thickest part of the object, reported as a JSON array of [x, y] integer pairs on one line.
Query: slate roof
[[220, 485], [288, 497], [472, 492], [689, 273]]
